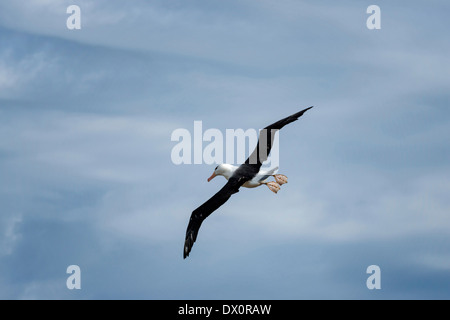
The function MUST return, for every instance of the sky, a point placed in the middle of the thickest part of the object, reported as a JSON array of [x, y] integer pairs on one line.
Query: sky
[[87, 179]]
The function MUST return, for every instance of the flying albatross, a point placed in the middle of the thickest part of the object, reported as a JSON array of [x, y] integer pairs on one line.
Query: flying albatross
[[246, 175]]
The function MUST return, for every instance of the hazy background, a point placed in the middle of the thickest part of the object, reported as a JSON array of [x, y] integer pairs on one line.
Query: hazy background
[[86, 176]]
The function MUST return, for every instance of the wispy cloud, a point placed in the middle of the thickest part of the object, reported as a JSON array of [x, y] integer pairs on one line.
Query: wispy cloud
[[9, 233], [16, 74]]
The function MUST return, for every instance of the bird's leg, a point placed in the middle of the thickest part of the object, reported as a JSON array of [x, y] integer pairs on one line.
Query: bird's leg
[[280, 179], [273, 186]]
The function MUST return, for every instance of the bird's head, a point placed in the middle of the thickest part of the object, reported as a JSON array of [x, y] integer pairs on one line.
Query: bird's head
[[221, 170]]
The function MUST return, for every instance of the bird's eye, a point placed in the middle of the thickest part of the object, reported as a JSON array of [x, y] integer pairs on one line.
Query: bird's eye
[[216, 168]]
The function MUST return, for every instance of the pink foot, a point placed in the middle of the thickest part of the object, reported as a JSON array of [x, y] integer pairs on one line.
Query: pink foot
[[280, 178], [273, 186]]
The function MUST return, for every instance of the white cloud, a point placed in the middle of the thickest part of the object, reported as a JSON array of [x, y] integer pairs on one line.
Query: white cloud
[[435, 261], [44, 290], [15, 75], [251, 34], [108, 148], [9, 233], [8, 78], [138, 215], [340, 216]]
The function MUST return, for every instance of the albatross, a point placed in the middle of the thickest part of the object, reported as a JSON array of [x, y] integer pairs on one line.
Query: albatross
[[248, 174]]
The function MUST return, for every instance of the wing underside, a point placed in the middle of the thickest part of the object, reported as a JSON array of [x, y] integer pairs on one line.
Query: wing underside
[[202, 212], [265, 141]]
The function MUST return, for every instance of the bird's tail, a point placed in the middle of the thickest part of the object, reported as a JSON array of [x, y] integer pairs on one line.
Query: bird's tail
[[272, 171], [267, 174]]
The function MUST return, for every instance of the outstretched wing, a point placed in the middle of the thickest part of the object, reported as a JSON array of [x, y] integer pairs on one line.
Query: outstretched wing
[[265, 141], [202, 212]]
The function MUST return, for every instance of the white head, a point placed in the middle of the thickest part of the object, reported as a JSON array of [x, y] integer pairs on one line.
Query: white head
[[225, 170]]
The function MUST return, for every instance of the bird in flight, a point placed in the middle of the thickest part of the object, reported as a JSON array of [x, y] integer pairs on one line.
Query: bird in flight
[[246, 175]]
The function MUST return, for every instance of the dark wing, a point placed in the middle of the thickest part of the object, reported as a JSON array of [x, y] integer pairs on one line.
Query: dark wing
[[265, 141], [202, 212]]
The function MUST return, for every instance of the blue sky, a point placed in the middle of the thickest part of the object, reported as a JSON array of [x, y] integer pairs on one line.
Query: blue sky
[[86, 176]]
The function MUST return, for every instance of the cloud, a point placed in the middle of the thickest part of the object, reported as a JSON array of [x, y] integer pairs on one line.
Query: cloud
[[87, 146], [16, 74], [435, 261], [9, 233], [338, 216], [246, 33]]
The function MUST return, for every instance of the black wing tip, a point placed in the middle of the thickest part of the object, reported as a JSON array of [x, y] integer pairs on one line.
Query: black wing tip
[[188, 243], [304, 110], [297, 115], [187, 250]]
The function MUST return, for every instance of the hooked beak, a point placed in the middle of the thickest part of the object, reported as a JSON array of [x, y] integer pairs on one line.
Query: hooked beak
[[212, 177]]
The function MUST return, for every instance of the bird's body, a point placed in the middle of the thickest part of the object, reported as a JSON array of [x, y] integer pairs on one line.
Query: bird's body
[[227, 170], [248, 174]]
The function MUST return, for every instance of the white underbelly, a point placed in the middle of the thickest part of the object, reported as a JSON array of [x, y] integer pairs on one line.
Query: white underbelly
[[260, 178], [255, 182]]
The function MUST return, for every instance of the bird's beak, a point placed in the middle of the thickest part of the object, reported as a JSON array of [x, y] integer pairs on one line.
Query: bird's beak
[[212, 177]]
